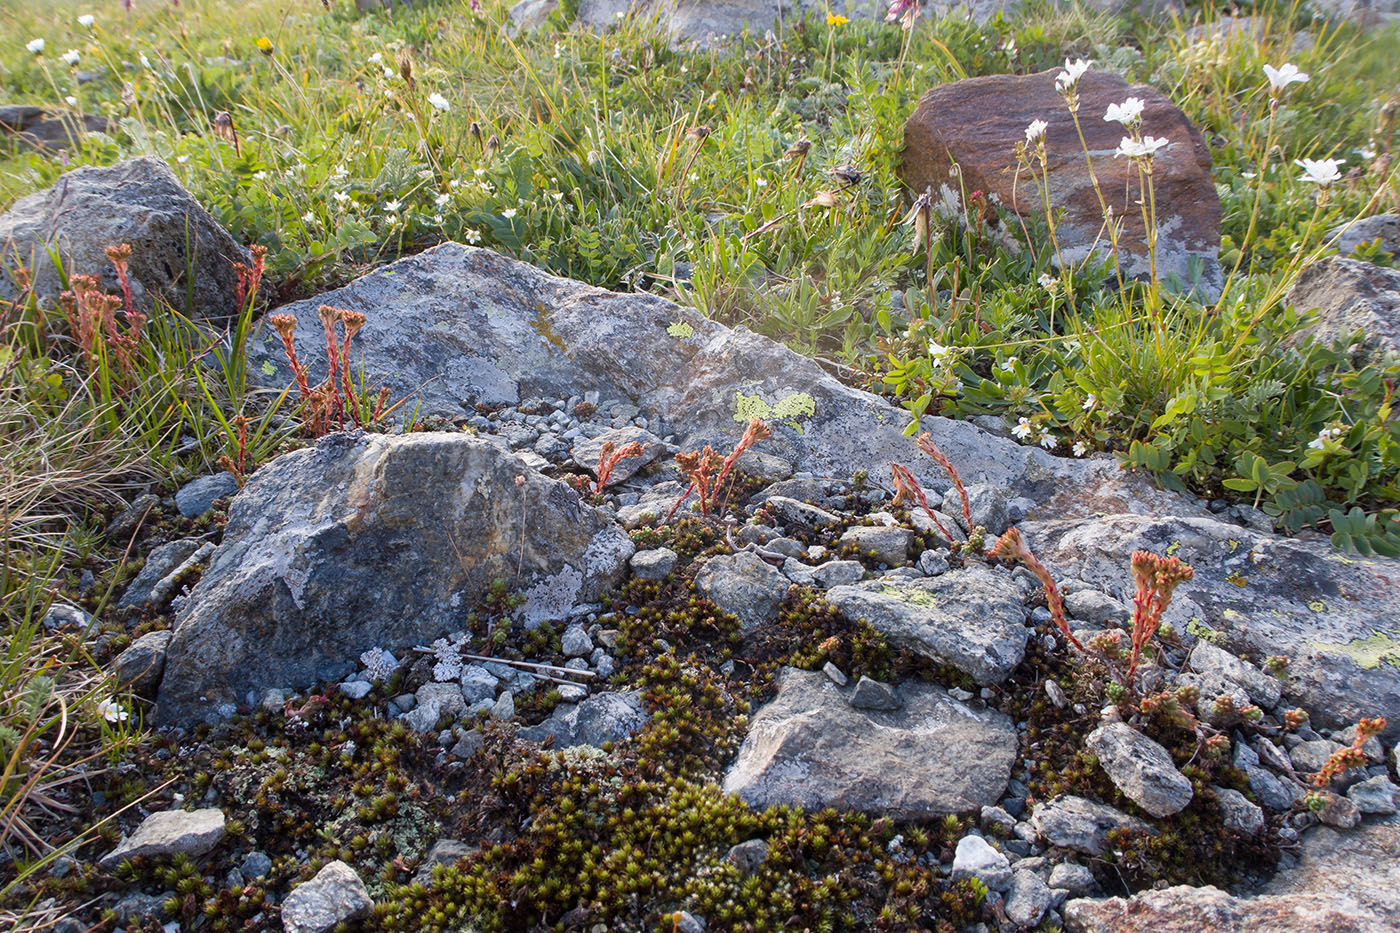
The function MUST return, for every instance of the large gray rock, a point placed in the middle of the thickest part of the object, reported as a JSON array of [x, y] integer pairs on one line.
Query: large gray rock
[[1382, 229], [1342, 883], [1263, 689], [808, 747], [972, 618], [1140, 768], [175, 244], [1080, 824], [744, 585], [605, 717], [171, 832], [1347, 295], [28, 127], [334, 896], [366, 541], [140, 666], [455, 325], [1265, 595]]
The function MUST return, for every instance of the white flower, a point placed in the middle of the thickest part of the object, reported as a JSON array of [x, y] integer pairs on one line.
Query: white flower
[[145, 62], [508, 213], [376, 58], [1143, 149], [71, 101], [939, 352], [471, 236], [340, 196], [388, 72], [1007, 363], [1023, 429], [1048, 441], [1323, 436], [1128, 113], [71, 58], [1090, 402], [761, 182], [1036, 130], [1080, 449], [1280, 78], [309, 217], [442, 199], [392, 206], [1048, 281], [35, 46], [439, 102], [260, 175], [112, 712], [1320, 171], [1069, 78], [86, 20]]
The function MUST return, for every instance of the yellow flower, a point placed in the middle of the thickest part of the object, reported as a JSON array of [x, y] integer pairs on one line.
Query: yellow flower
[[836, 19], [264, 45]]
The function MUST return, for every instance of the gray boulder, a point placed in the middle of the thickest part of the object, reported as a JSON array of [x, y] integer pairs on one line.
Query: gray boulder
[[1378, 228], [334, 896], [176, 246], [1079, 824], [808, 747], [1264, 594], [28, 127], [971, 618], [1140, 768], [605, 717], [171, 832], [744, 585], [1345, 296], [140, 666], [454, 326], [371, 541]]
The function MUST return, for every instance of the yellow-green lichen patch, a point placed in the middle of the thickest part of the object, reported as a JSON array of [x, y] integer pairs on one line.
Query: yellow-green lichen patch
[[911, 595], [1317, 605], [681, 330], [545, 328], [1199, 629], [790, 409], [1370, 652]]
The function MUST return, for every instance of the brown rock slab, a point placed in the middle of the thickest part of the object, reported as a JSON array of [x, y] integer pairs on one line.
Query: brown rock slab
[[976, 124]]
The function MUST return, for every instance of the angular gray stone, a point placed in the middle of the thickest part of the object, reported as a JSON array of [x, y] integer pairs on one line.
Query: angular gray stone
[[366, 541], [586, 451], [159, 563], [1309, 757], [140, 202], [1096, 608], [576, 642], [1140, 768], [334, 896], [971, 618], [654, 564], [433, 702], [442, 852], [1329, 616], [1073, 878], [1276, 793], [478, 683], [1382, 228], [171, 832], [1082, 825], [1347, 295], [975, 858], [808, 747], [838, 573], [743, 584], [455, 326], [800, 513], [1238, 812], [1028, 898], [871, 694], [762, 466], [747, 856], [605, 717], [140, 666], [1375, 795], [889, 545], [197, 496], [987, 504], [1263, 688]]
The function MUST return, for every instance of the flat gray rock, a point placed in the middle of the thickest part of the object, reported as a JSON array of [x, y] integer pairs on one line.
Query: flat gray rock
[[171, 832], [587, 451], [745, 585], [808, 747], [971, 618], [376, 541], [140, 667], [1079, 824], [334, 896], [604, 717], [1140, 768]]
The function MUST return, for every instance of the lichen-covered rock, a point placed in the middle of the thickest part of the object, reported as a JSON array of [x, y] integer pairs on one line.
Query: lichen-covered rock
[[976, 124], [971, 618], [1237, 812], [605, 717], [587, 451], [654, 564], [808, 747], [1028, 899], [373, 541], [1264, 595], [171, 832], [1262, 688], [1082, 825], [1343, 296], [455, 326], [888, 545], [334, 896], [1140, 768], [175, 244], [744, 585]]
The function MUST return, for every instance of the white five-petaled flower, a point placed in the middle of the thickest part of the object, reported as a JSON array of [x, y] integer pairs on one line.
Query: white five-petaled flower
[[1091, 401], [86, 20], [508, 213], [439, 102], [35, 46], [1007, 363], [1140, 149], [392, 206], [1036, 130], [471, 236], [1048, 441], [1128, 113], [71, 101], [442, 199], [937, 351], [1320, 171], [1280, 78], [1073, 72], [1023, 428], [112, 711], [1047, 281], [1323, 436], [309, 217], [340, 196], [71, 58], [376, 58], [1080, 449]]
